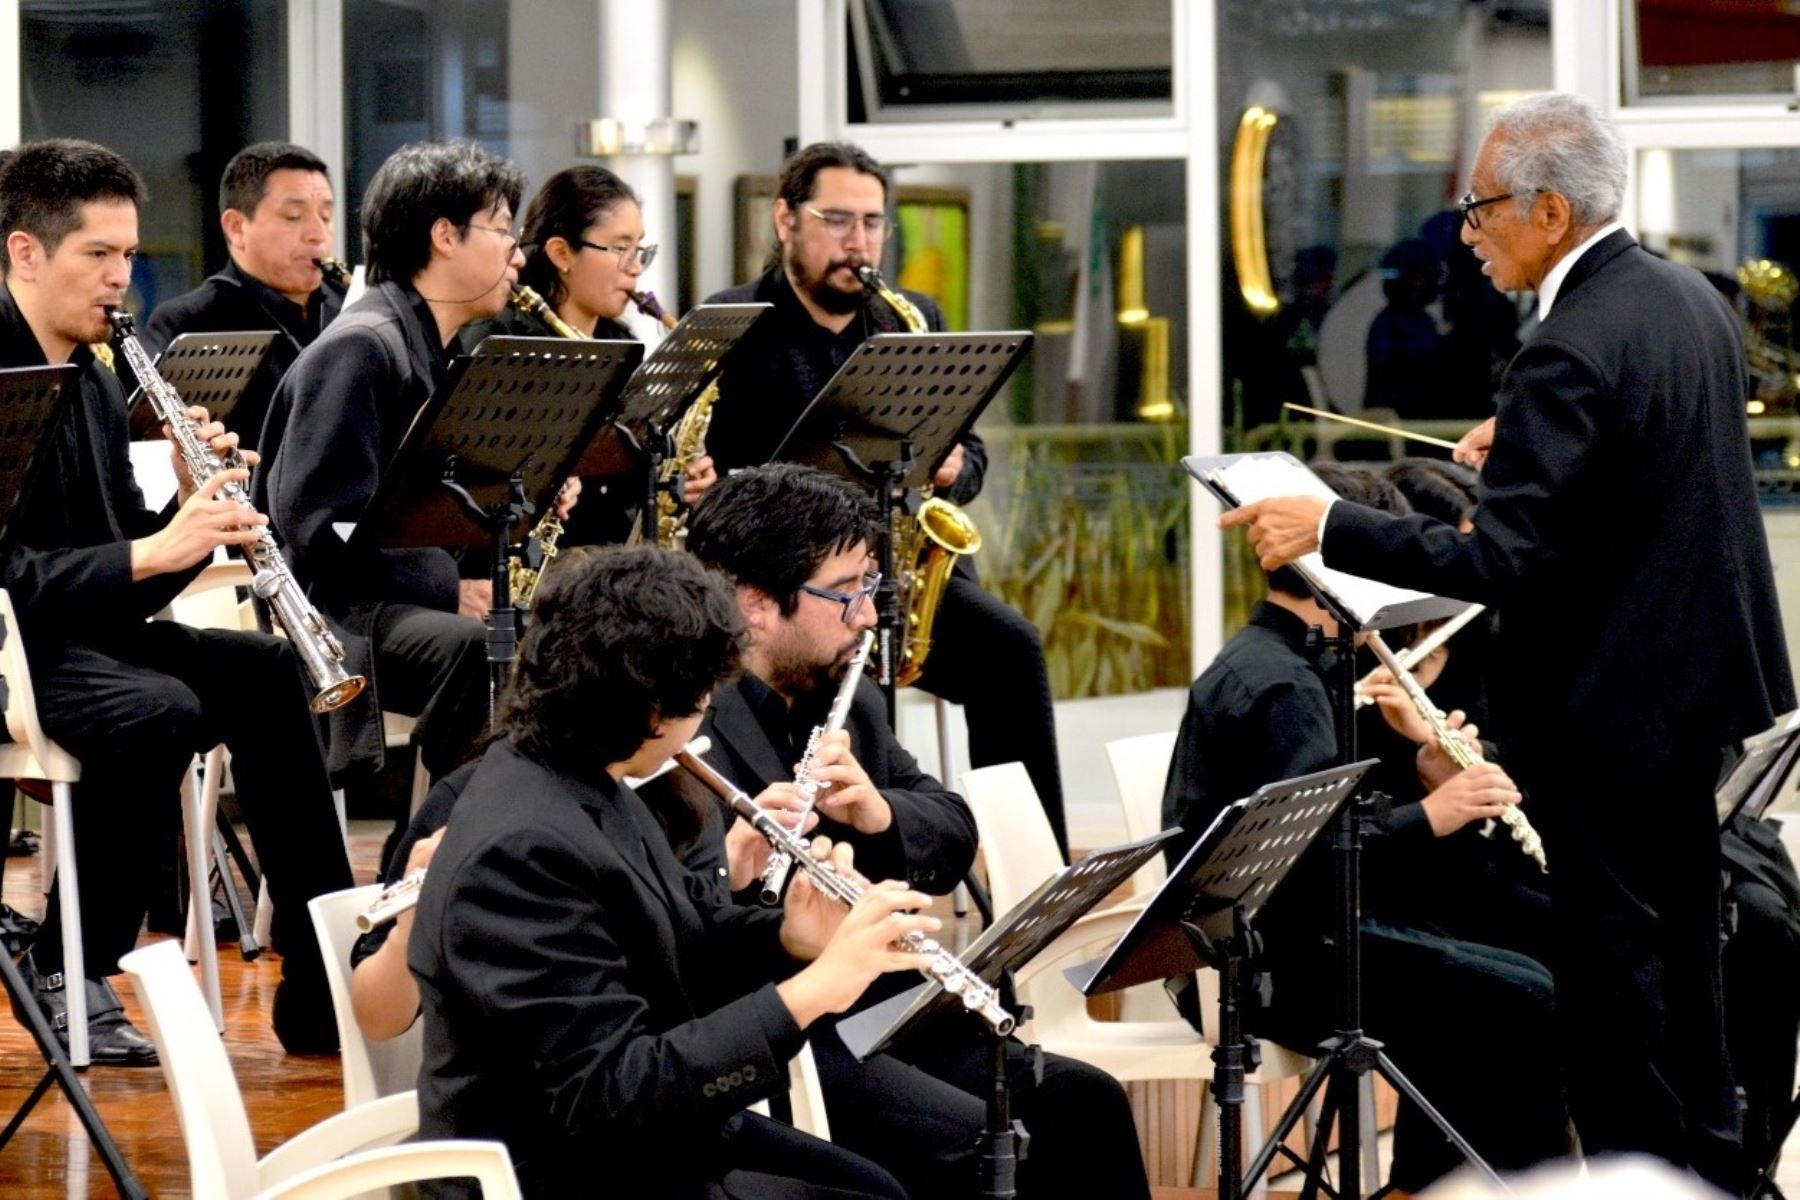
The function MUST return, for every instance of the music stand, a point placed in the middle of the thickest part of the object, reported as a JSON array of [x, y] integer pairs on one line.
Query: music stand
[[1007, 944], [1756, 777], [490, 448], [32, 399], [892, 413], [1203, 915], [674, 375], [1356, 604], [209, 369]]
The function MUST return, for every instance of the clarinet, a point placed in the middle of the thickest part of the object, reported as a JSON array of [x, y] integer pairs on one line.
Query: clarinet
[[775, 875], [1460, 752], [319, 650], [976, 994]]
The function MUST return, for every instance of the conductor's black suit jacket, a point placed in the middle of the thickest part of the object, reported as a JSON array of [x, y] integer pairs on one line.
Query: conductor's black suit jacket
[[1616, 529], [587, 1000]]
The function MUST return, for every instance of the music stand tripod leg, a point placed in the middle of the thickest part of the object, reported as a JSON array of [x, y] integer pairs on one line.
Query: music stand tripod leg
[[63, 1075]]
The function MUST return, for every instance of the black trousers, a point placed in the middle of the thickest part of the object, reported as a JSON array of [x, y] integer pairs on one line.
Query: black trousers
[[1762, 1016], [433, 665], [919, 1113], [134, 711], [772, 1161], [988, 658], [1635, 884]]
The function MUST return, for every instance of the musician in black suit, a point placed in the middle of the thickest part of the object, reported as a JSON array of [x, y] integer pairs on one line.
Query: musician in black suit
[[796, 542], [437, 225], [830, 217], [276, 208], [601, 1010], [87, 565], [1635, 642]]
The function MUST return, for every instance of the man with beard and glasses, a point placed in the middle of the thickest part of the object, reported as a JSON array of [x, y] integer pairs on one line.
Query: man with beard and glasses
[[831, 216]]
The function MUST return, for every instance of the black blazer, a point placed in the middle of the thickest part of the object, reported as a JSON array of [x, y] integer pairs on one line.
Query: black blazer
[[587, 1001], [67, 548], [1617, 529], [234, 301]]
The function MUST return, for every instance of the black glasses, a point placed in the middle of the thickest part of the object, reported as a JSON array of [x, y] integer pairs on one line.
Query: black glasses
[[644, 255], [852, 601], [839, 223], [1469, 204], [513, 235]]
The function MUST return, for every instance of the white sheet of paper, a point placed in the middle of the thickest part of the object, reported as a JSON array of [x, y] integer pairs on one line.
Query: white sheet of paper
[[155, 472]]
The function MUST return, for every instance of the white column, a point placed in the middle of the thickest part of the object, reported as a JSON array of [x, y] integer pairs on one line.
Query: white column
[[1197, 71], [637, 48], [315, 85], [12, 99]]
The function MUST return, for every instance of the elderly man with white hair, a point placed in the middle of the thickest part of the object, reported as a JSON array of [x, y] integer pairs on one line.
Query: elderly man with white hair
[[1617, 532]]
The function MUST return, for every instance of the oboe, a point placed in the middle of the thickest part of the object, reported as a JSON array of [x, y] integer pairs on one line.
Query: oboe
[[976, 994], [775, 875], [1459, 751], [318, 648]]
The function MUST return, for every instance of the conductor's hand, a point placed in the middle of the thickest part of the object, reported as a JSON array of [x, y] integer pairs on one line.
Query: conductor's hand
[[849, 796], [1472, 448], [860, 948], [204, 522], [700, 475], [950, 468], [1480, 793], [1435, 766], [1281, 529], [747, 851], [213, 434]]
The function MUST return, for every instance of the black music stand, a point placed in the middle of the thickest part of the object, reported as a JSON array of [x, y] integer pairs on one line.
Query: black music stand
[[1203, 915], [490, 448], [1007, 944], [1756, 777], [31, 400], [209, 369], [1357, 604], [672, 377], [892, 413]]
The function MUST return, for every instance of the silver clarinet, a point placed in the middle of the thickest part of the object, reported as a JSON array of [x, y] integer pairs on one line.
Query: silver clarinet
[[781, 864], [976, 994], [319, 651]]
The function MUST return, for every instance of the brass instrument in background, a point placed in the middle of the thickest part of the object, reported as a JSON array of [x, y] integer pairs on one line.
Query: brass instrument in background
[[687, 443], [524, 571], [925, 548]]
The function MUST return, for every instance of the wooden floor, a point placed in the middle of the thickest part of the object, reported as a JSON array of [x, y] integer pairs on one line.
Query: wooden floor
[[50, 1156]]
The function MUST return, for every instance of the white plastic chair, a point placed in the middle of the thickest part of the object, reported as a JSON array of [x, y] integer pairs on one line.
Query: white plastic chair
[[371, 1069], [32, 755], [345, 1155]]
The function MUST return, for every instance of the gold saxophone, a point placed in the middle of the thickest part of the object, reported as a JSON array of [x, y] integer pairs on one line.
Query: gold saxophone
[[522, 574], [687, 444], [925, 548]]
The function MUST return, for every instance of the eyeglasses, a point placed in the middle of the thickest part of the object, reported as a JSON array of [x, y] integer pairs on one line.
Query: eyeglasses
[[839, 223], [852, 601], [1469, 204], [512, 235], [643, 255]]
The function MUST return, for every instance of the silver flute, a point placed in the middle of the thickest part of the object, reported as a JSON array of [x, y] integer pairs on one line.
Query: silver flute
[[393, 900], [319, 650], [976, 994], [781, 863], [1422, 649]]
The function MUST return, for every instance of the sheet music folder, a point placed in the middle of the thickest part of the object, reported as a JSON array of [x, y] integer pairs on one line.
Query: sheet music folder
[[209, 369], [1758, 775], [1009, 943], [517, 403], [898, 389], [1240, 479], [1238, 863]]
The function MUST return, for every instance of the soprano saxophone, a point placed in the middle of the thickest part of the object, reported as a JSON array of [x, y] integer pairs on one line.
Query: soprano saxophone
[[976, 994], [273, 583], [781, 863], [687, 443], [1458, 750]]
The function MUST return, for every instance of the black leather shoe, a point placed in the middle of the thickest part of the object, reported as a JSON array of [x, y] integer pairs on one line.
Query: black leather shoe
[[112, 1040]]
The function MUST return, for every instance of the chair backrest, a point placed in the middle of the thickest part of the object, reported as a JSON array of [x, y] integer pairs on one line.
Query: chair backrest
[[214, 1126], [1140, 767], [371, 1069], [1016, 841], [806, 1095], [21, 702]]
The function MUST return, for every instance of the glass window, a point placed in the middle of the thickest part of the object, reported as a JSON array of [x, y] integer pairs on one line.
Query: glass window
[[177, 88], [1678, 49], [1735, 215], [1350, 129]]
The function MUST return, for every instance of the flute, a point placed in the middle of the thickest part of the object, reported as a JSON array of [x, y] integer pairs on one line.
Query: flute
[[392, 901], [775, 875], [976, 994], [1459, 751], [1422, 649]]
